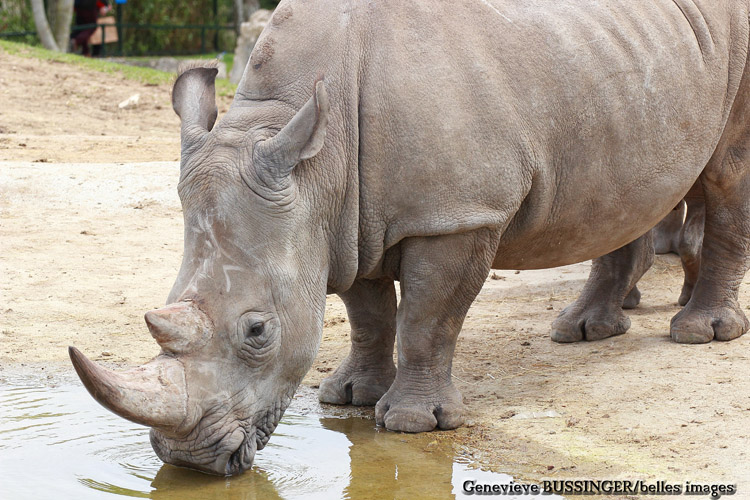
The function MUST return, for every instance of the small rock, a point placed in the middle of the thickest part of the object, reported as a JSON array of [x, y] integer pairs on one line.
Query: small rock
[[166, 64], [572, 421], [106, 353], [249, 33], [222, 67], [130, 102], [536, 414]]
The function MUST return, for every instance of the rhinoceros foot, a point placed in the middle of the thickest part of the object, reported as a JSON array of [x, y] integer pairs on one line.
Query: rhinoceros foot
[[358, 383], [410, 407], [576, 323], [693, 325]]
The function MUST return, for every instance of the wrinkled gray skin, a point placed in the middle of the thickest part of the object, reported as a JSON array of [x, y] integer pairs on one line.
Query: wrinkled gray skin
[[427, 142]]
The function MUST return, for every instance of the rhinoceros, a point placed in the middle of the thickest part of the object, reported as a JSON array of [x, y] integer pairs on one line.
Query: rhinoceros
[[427, 142]]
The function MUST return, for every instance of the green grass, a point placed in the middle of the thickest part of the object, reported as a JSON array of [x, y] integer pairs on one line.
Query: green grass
[[227, 59], [144, 75]]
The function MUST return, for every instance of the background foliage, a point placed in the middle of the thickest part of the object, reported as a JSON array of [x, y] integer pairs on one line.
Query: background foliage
[[15, 16]]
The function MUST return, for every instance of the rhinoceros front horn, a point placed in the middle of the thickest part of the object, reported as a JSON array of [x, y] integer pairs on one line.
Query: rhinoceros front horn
[[154, 394]]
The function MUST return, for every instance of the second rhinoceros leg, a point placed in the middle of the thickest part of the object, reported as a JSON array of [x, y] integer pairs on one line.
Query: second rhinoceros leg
[[440, 276], [690, 243], [597, 313], [667, 232], [368, 370]]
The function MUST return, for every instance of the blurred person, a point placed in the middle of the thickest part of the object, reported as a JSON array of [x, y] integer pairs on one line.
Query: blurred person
[[87, 12]]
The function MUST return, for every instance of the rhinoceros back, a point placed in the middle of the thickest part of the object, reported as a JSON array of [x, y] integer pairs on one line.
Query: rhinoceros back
[[571, 125]]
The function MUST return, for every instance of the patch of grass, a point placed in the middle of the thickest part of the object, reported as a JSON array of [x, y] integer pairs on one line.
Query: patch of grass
[[146, 76], [226, 57]]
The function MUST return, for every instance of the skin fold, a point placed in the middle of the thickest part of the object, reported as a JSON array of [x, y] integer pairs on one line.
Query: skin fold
[[424, 143]]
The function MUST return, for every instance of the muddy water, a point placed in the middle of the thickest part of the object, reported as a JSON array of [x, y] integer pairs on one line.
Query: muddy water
[[56, 442]]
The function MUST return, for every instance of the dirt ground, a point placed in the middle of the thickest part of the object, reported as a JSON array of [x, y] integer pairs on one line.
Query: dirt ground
[[91, 238]]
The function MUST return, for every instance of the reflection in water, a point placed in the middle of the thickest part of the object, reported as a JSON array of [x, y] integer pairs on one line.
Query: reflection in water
[[396, 465], [173, 482], [57, 441]]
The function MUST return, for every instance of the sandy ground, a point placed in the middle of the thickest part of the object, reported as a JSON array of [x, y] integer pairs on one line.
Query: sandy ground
[[91, 238]]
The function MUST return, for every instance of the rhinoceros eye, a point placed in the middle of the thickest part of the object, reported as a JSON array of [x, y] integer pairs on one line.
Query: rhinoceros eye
[[256, 329], [257, 333], [251, 326]]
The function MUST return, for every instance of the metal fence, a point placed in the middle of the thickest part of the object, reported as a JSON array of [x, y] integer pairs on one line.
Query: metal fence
[[193, 38]]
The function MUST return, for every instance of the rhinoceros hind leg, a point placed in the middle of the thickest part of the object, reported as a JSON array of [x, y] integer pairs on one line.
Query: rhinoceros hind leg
[[368, 371], [713, 311], [597, 313], [440, 276]]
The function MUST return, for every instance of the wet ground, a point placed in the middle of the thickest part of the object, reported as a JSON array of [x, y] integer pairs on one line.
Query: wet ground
[[55, 438]]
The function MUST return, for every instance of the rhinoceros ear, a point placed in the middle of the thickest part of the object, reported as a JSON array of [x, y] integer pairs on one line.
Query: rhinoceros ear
[[194, 98], [301, 139]]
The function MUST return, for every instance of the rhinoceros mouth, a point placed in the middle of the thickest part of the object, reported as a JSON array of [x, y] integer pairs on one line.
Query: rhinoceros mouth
[[242, 458]]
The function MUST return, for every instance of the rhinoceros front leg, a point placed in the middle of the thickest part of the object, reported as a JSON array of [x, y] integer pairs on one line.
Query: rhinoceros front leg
[[713, 311], [368, 370], [597, 313], [440, 276]]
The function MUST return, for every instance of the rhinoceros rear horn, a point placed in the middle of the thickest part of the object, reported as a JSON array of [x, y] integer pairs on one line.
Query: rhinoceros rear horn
[[178, 328], [194, 98], [154, 394], [301, 138]]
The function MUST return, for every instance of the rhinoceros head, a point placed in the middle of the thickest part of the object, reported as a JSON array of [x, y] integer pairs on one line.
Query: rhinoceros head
[[245, 314]]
